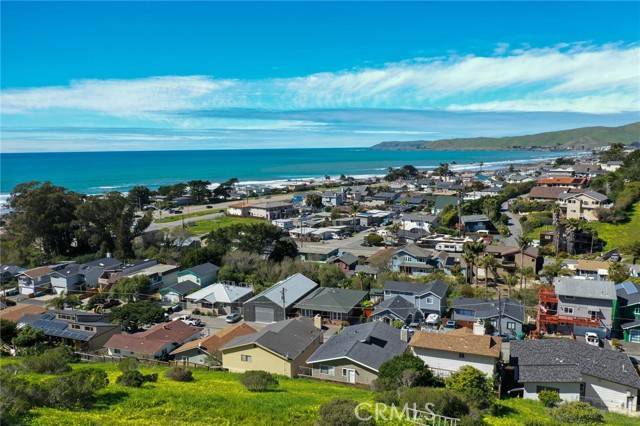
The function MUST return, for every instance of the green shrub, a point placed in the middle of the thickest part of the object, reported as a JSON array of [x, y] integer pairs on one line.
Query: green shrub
[[471, 420], [27, 337], [128, 364], [549, 398], [8, 330], [536, 422], [259, 381], [388, 397], [342, 412], [473, 385], [577, 412], [135, 379], [52, 361], [394, 373], [76, 389], [444, 402], [179, 374]]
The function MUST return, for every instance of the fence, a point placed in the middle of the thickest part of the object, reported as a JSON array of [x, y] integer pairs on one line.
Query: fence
[[152, 362], [427, 418]]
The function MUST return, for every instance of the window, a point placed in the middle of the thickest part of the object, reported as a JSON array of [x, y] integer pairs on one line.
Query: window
[[460, 355], [429, 300], [344, 372], [327, 370], [636, 311], [116, 351], [567, 310], [245, 358], [511, 325], [594, 314], [75, 326], [88, 328]]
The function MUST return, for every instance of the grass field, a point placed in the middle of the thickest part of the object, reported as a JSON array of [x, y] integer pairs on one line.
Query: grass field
[[205, 226], [534, 234], [174, 218], [619, 235]]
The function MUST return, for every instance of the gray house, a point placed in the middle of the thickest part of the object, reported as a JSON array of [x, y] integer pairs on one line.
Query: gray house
[[278, 301], [397, 308], [203, 274], [337, 304], [67, 280], [578, 372], [355, 354], [429, 298], [506, 316], [413, 260]]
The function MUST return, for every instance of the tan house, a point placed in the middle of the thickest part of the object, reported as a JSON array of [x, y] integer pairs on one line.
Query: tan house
[[279, 348], [203, 350], [509, 259], [583, 205]]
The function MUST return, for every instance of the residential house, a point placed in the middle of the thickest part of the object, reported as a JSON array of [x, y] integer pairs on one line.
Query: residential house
[[16, 312], [206, 350], [316, 253], [82, 330], [155, 343], [477, 224], [578, 371], [204, 274], [422, 221], [413, 260], [591, 269], [584, 204], [271, 210], [374, 217], [74, 277], [510, 259], [346, 262], [546, 193], [397, 308], [220, 298], [8, 272], [355, 354], [335, 304], [506, 315], [430, 298], [382, 198], [443, 242], [367, 269], [176, 293], [611, 166], [67, 280], [278, 348], [333, 198], [159, 274], [628, 294], [92, 271], [35, 281], [563, 181], [577, 306], [446, 353], [278, 301]]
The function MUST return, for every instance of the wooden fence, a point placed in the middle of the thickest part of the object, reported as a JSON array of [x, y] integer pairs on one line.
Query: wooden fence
[[152, 362]]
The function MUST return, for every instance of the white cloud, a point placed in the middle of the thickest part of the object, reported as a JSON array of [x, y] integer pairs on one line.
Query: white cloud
[[580, 77]]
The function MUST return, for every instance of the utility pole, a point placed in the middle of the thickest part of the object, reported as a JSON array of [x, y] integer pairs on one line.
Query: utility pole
[[499, 312]]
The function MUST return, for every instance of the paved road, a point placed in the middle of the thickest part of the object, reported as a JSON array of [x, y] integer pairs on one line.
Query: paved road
[[515, 229], [352, 244]]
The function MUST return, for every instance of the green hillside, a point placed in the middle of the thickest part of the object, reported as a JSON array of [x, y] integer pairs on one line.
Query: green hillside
[[582, 138]]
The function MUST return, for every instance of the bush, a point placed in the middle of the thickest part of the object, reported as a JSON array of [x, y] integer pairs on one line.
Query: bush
[[445, 402], [76, 389], [342, 412], [135, 379], [52, 361], [17, 397], [179, 374], [577, 412], [259, 381], [393, 373], [473, 385], [128, 364], [7, 330], [471, 421], [27, 337], [549, 398]]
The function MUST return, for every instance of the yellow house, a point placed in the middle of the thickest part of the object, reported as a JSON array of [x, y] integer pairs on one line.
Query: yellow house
[[279, 348]]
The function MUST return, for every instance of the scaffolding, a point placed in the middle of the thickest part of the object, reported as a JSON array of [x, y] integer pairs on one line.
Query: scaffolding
[[547, 314]]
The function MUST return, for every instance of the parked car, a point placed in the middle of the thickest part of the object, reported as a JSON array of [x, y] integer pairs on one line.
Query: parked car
[[234, 317], [592, 338], [433, 320], [450, 324], [176, 308]]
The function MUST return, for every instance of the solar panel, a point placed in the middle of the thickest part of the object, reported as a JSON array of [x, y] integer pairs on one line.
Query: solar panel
[[629, 287]]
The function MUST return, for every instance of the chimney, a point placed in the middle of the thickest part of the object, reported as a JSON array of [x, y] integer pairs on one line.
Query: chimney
[[108, 255], [478, 328], [317, 322], [404, 334]]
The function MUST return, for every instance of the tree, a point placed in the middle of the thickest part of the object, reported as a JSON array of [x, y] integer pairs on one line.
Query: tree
[[634, 250], [172, 191], [135, 379], [64, 300], [472, 251], [76, 389], [614, 153], [314, 200], [223, 191], [618, 272], [523, 244], [27, 337], [391, 372], [131, 288], [489, 263], [282, 248], [510, 280], [473, 384], [139, 196], [374, 239], [335, 213], [132, 316], [8, 330], [199, 190]]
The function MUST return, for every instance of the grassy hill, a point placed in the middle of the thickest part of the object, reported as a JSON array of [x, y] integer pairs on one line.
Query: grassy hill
[[218, 398], [582, 138]]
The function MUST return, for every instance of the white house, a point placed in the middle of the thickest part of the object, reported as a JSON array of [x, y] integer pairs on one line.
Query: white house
[[578, 372], [410, 221], [446, 353]]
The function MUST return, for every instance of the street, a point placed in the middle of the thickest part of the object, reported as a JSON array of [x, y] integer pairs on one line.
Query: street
[[515, 229]]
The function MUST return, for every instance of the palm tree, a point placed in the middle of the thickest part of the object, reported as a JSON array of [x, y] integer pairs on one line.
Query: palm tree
[[355, 208], [470, 259], [523, 243], [510, 280], [489, 263], [472, 251], [57, 302]]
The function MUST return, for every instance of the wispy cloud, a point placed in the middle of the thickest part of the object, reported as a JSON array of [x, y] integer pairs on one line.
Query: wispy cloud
[[568, 77]]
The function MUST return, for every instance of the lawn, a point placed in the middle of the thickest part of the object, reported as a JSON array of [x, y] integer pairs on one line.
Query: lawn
[[174, 218], [534, 234], [619, 235], [205, 226]]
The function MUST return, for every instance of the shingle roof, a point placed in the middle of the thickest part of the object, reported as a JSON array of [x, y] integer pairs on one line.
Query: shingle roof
[[474, 218], [221, 293], [416, 251], [591, 289], [437, 287], [215, 341], [628, 293], [397, 305], [296, 286], [348, 258], [419, 217], [484, 309], [458, 342], [369, 344], [204, 269], [181, 288], [589, 193], [562, 360], [14, 313], [288, 338], [38, 272], [551, 193], [153, 339], [328, 299]]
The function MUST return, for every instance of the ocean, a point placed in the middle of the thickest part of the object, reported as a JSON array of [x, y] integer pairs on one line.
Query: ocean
[[99, 172]]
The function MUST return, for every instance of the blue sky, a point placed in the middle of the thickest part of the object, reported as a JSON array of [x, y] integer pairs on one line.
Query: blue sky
[[117, 76]]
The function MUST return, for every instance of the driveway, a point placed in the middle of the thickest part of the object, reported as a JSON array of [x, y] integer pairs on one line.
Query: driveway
[[515, 229]]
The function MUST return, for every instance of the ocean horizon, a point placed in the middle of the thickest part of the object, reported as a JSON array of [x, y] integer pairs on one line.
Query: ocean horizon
[[100, 172]]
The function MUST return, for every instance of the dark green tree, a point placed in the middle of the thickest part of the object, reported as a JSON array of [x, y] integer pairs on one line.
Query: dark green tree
[[132, 316]]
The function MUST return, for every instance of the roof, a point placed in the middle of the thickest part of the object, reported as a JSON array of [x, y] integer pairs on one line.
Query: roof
[[415, 251], [14, 313], [552, 193], [562, 180], [369, 344], [105, 262], [367, 269], [398, 306], [437, 287], [628, 293], [458, 342], [592, 265], [51, 326], [153, 339], [38, 272], [474, 218], [563, 360], [491, 308], [214, 342], [202, 269], [182, 288], [590, 289], [221, 293], [509, 250], [289, 338], [347, 258], [270, 204], [327, 299], [296, 287], [587, 192], [419, 217]]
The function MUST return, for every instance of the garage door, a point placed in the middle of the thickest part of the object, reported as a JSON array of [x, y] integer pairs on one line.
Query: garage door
[[264, 314], [634, 336]]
